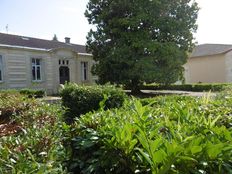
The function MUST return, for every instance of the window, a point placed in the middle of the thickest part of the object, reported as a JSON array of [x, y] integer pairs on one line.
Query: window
[[36, 69], [1, 69], [63, 62], [84, 71]]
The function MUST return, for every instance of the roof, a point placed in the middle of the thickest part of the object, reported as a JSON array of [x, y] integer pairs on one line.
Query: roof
[[210, 49], [29, 42]]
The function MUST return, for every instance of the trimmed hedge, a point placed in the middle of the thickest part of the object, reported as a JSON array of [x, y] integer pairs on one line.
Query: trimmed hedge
[[82, 99], [32, 93], [188, 87]]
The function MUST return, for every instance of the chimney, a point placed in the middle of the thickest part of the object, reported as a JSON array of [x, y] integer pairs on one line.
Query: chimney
[[67, 40]]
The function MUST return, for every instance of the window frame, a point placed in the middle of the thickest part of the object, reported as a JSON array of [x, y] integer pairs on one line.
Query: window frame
[[35, 66], [84, 71]]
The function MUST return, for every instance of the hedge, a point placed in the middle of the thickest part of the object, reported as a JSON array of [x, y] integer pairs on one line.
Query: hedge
[[30, 93], [33, 93], [163, 135], [82, 99], [188, 87]]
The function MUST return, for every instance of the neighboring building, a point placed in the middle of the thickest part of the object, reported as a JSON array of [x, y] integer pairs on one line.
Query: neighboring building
[[209, 63], [27, 62]]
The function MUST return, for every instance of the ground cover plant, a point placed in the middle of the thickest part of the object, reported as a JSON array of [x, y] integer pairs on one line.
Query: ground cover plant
[[172, 134], [30, 136]]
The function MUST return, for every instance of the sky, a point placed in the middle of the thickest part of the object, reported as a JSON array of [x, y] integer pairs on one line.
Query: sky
[[65, 18]]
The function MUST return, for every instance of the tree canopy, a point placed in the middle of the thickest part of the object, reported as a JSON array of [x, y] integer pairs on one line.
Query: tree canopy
[[55, 38], [138, 41]]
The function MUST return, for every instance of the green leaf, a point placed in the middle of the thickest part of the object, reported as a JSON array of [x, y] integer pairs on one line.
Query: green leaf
[[145, 155], [196, 149], [159, 156], [214, 150], [154, 145], [187, 158]]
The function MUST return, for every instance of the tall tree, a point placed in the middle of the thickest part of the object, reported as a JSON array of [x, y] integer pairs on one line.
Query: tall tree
[[55, 38], [138, 41]]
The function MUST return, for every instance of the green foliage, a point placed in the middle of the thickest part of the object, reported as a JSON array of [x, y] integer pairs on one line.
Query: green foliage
[[11, 104], [143, 41], [188, 87], [32, 93], [34, 141], [82, 99], [172, 134]]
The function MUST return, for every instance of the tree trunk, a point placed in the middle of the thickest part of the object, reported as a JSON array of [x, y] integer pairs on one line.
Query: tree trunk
[[135, 87]]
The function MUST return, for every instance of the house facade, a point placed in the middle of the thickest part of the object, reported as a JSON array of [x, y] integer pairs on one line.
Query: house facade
[[27, 62], [209, 63]]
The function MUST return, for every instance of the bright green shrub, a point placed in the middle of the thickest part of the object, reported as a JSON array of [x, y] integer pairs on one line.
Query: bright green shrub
[[32, 93], [37, 146], [82, 99], [167, 135]]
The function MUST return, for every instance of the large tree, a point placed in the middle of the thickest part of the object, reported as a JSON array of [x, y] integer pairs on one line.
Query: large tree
[[138, 41]]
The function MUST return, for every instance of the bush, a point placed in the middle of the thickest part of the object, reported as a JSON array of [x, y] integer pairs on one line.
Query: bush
[[11, 104], [31, 141], [32, 93], [82, 99], [172, 134], [187, 87]]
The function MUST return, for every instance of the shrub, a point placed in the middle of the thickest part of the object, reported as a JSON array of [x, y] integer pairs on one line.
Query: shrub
[[187, 87], [11, 104], [82, 99], [32, 93], [172, 134], [35, 140]]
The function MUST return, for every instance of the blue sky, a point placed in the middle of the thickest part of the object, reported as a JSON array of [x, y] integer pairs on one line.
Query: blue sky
[[44, 18]]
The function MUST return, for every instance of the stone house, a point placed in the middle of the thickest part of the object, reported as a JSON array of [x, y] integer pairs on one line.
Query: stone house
[[27, 62]]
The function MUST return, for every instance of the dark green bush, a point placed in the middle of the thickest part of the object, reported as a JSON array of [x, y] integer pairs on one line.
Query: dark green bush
[[187, 87], [32, 93], [173, 134], [82, 99]]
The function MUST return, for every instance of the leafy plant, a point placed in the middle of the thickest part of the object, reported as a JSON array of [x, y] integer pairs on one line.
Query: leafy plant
[[35, 142], [172, 134]]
